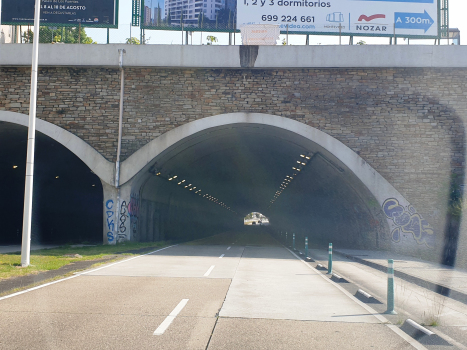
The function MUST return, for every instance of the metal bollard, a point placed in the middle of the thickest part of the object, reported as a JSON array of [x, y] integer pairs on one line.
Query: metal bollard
[[306, 247], [330, 260], [293, 241], [391, 293]]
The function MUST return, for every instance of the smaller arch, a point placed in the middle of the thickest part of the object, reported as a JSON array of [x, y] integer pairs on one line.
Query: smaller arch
[[93, 159]]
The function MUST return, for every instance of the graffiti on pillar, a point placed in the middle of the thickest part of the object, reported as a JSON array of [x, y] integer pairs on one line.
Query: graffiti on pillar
[[133, 210], [109, 213], [121, 234], [407, 220]]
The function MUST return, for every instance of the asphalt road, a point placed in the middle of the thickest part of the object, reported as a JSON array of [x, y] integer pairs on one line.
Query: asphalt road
[[215, 294]]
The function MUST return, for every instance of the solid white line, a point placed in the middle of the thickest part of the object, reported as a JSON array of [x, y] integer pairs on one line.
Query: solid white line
[[372, 311], [221, 256], [229, 248], [169, 319], [78, 274], [209, 271]]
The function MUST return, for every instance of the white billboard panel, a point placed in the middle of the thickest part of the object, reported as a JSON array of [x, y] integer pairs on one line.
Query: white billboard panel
[[349, 17]]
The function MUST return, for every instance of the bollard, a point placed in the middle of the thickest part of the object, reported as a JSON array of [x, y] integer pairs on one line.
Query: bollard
[[391, 293], [330, 260], [293, 241], [306, 247]]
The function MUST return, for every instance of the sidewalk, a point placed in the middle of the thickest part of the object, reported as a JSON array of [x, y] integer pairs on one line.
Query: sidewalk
[[444, 280]]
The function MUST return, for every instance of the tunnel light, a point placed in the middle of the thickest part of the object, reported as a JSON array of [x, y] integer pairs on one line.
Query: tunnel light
[[158, 173], [171, 179], [189, 185], [186, 186], [302, 155], [298, 162], [294, 168], [15, 166], [307, 158], [191, 189], [299, 169], [56, 177], [175, 176], [303, 164], [93, 185], [183, 181], [194, 187], [179, 183]]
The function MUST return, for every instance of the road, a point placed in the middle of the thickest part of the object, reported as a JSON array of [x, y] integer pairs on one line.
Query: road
[[233, 291]]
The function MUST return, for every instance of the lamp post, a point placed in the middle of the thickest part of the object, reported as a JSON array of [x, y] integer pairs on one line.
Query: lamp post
[[27, 213]]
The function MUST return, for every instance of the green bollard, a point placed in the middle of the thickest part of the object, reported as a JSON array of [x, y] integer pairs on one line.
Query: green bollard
[[293, 241], [330, 260], [306, 247], [391, 293]]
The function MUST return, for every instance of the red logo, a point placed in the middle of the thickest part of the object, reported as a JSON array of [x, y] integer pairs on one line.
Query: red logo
[[370, 18]]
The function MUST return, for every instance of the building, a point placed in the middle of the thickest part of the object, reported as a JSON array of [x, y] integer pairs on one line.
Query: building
[[191, 10]]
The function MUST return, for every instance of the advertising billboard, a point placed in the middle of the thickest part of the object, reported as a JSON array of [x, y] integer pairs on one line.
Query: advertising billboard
[[402, 18], [406, 18], [90, 13]]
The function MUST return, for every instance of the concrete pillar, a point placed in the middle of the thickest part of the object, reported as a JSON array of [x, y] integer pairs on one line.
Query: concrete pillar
[[110, 213]]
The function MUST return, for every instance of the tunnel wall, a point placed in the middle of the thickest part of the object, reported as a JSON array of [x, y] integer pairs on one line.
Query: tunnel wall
[[168, 212], [407, 123]]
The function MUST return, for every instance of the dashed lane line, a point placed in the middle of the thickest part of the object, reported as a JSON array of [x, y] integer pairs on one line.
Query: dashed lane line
[[169, 319], [209, 271]]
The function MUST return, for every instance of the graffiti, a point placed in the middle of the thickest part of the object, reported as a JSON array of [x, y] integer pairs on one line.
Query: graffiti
[[133, 210], [110, 221], [407, 220], [121, 236]]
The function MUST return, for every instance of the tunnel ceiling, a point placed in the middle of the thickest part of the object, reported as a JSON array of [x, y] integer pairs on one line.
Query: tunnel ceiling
[[242, 165]]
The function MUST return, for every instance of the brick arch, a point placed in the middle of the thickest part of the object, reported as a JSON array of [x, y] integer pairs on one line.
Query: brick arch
[[93, 159]]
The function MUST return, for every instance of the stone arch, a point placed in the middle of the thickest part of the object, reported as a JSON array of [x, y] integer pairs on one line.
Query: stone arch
[[93, 159]]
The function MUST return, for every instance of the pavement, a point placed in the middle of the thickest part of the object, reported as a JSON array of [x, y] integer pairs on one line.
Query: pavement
[[223, 296]]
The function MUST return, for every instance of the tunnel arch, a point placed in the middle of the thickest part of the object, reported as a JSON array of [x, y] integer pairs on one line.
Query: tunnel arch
[[93, 159], [67, 194], [385, 199]]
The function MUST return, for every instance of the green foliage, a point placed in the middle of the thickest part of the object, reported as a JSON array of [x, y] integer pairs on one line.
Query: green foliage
[[211, 39], [67, 35], [133, 41], [361, 42]]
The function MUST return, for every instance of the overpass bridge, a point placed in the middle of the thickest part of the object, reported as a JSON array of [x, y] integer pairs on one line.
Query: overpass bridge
[[362, 146]]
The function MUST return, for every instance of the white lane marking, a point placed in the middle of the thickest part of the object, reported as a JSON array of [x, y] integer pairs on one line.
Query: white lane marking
[[209, 271], [229, 248], [221, 256], [372, 311], [169, 319], [79, 274]]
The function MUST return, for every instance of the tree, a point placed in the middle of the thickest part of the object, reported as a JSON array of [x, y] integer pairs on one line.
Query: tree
[[361, 42], [67, 35], [133, 41], [211, 39]]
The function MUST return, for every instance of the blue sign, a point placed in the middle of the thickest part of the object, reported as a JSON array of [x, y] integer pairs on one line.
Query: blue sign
[[407, 20]]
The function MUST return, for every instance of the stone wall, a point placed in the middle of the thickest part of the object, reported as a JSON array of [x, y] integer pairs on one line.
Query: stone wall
[[407, 123]]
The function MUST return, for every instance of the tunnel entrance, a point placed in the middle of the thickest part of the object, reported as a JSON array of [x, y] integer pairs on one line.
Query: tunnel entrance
[[207, 182], [67, 198], [255, 218]]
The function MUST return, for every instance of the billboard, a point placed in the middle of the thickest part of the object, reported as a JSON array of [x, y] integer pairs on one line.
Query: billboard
[[403, 18], [406, 18], [90, 13]]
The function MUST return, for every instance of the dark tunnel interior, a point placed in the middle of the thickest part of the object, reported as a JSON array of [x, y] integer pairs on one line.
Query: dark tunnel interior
[[207, 183], [67, 196]]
